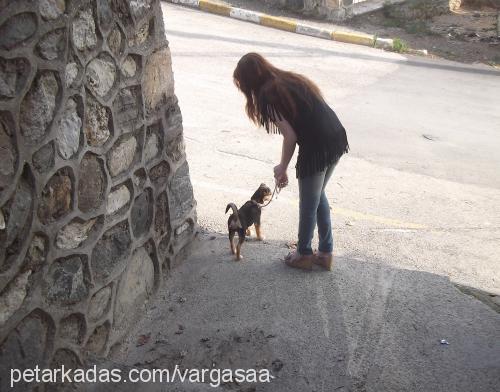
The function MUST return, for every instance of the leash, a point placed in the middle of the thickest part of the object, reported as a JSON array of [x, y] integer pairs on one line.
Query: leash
[[276, 191]]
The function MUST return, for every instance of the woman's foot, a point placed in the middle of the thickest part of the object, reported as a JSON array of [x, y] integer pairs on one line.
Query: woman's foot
[[324, 260], [296, 260]]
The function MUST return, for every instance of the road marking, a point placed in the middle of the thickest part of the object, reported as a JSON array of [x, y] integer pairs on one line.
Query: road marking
[[352, 214]]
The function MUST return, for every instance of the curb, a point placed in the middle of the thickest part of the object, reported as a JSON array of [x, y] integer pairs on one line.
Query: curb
[[287, 24]]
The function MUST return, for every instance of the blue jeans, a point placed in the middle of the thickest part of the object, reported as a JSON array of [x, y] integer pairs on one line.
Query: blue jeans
[[314, 209]]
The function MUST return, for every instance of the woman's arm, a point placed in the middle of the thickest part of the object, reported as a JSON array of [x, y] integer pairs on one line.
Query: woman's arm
[[288, 148]]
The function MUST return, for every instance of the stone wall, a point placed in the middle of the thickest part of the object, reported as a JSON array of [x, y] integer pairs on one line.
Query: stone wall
[[327, 9], [337, 10], [95, 197], [412, 10], [318, 8]]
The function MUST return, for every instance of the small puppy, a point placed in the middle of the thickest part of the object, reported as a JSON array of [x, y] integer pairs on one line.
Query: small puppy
[[248, 215]]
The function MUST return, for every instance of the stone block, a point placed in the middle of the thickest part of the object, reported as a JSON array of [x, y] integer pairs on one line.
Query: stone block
[[25, 346], [179, 231], [71, 72], [173, 120], [97, 341], [13, 74], [37, 253], [65, 357], [51, 9], [8, 152], [84, 35], [122, 155], [110, 254], [116, 41], [68, 130], [139, 178], [72, 328], [129, 66], [138, 8], [158, 78], [141, 35], [181, 193], [43, 159], [13, 296], [104, 15], [176, 148], [57, 197], [117, 199], [92, 184], [142, 213], [101, 74], [72, 235], [17, 213], [128, 108], [159, 174], [68, 359], [165, 250], [67, 282], [52, 45], [136, 285], [151, 148], [99, 303], [162, 215], [97, 119], [183, 233], [38, 106], [17, 30]]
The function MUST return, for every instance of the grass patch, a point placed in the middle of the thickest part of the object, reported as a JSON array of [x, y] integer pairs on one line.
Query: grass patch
[[399, 45]]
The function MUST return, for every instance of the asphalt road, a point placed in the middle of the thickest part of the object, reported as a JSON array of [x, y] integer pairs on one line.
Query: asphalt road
[[415, 206], [430, 205]]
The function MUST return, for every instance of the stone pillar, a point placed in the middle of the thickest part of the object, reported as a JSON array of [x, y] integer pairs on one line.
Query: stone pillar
[[95, 197]]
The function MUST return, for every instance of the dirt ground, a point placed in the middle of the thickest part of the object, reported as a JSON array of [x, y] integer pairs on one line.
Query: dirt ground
[[468, 34]]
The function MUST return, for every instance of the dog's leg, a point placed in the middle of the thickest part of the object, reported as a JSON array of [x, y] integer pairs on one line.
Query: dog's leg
[[248, 232], [258, 232], [241, 239], [231, 242]]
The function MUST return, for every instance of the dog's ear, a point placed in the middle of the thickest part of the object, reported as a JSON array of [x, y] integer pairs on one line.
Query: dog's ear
[[258, 195], [262, 185]]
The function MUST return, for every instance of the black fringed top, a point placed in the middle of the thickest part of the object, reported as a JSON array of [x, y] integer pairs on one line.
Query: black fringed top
[[321, 137]]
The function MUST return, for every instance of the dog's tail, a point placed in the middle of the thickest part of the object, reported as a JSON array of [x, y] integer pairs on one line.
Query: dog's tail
[[235, 213]]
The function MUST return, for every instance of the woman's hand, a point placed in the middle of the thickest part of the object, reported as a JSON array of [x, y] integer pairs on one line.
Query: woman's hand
[[281, 176], [287, 149]]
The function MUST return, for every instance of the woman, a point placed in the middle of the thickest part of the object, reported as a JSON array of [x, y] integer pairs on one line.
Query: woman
[[292, 105]]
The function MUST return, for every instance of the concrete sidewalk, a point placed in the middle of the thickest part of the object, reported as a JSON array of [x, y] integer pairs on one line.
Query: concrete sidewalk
[[362, 327]]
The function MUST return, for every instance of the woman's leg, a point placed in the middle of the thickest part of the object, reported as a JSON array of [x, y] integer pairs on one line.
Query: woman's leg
[[310, 189], [323, 217]]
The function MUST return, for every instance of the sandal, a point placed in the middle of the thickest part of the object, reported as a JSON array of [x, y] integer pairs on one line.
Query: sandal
[[304, 262], [325, 261]]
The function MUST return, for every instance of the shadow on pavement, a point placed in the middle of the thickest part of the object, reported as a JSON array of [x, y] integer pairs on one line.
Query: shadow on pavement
[[362, 327]]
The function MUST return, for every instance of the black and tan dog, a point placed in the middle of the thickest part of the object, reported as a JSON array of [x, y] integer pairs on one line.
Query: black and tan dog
[[248, 215]]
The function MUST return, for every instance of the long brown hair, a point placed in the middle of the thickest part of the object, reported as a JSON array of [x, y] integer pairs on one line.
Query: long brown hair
[[253, 72]]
